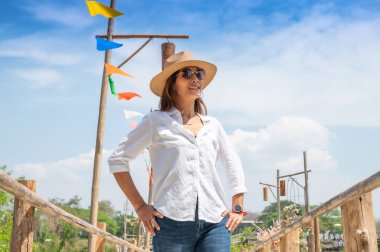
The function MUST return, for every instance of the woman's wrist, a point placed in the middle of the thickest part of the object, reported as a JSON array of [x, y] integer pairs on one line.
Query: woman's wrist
[[140, 207]]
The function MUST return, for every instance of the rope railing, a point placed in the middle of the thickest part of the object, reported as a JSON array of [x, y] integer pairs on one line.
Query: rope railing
[[363, 187], [21, 192]]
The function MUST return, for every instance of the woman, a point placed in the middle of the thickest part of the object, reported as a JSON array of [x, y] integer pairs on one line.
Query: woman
[[190, 210]]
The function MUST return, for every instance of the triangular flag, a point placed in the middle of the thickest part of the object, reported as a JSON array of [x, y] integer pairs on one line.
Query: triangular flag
[[96, 8], [110, 69], [131, 114], [133, 124], [104, 44], [127, 96], [112, 85]]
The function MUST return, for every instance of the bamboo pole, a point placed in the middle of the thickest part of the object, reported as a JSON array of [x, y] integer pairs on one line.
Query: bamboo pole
[[358, 221], [310, 237], [278, 196], [23, 222], [22, 193], [99, 136], [365, 186]]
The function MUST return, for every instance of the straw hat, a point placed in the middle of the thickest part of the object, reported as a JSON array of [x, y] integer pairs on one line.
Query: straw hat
[[177, 62]]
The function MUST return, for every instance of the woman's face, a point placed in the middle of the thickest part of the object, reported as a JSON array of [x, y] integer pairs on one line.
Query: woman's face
[[188, 84]]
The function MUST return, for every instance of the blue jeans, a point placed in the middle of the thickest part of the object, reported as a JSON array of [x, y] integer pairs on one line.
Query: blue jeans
[[191, 236]]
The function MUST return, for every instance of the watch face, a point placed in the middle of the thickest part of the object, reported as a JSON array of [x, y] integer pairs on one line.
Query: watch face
[[237, 209]]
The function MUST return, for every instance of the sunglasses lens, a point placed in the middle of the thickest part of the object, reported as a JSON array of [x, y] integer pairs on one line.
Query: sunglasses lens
[[187, 74], [200, 74]]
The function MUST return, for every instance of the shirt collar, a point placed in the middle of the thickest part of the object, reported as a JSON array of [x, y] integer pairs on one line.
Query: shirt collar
[[175, 112]]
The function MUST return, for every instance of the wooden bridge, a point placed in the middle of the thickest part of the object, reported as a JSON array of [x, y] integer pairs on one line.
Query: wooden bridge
[[356, 205]]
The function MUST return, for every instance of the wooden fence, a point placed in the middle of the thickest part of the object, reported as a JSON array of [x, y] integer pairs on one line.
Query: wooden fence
[[357, 220], [28, 196]]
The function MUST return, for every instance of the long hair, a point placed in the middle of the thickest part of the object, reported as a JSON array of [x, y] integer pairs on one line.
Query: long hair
[[167, 100]]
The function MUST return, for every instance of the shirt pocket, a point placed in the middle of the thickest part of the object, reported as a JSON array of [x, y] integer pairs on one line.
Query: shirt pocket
[[167, 138], [209, 141]]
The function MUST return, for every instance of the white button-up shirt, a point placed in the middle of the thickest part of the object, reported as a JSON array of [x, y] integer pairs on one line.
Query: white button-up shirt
[[184, 165]]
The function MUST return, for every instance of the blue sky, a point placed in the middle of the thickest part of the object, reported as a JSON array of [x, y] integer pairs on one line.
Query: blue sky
[[292, 76]]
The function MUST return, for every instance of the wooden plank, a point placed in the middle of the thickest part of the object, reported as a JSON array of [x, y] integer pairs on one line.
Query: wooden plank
[[365, 186], [23, 222], [22, 193], [358, 221]]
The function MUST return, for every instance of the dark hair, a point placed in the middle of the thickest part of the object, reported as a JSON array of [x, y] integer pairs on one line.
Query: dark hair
[[167, 100]]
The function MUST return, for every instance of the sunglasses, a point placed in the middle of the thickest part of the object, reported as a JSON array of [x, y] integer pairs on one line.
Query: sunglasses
[[187, 73]]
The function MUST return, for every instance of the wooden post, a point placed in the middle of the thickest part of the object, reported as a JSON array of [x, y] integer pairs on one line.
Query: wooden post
[[316, 235], [139, 230], [265, 248], [310, 238], [167, 49], [150, 202], [100, 244], [358, 222], [134, 242], [278, 197], [99, 137], [23, 220], [290, 242]]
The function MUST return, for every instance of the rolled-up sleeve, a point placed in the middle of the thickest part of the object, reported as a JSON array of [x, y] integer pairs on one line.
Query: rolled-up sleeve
[[131, 146], [231, 163]]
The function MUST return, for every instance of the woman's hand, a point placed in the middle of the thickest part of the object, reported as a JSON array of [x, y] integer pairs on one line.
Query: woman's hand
[[147, 214], [234, 219]]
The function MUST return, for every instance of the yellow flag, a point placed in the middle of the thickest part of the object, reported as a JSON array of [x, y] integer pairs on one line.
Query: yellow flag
[[110, 69], [96, 8]]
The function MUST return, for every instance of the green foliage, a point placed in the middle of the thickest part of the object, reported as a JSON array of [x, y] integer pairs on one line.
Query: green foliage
[[269, 215], [54, 235], [6, 209], [331, 221]]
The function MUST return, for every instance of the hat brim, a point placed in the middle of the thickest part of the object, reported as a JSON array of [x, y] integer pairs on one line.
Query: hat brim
[[158, 82]]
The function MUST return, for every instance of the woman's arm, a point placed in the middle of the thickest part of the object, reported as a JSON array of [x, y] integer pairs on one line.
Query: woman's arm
[[145, 212], [234, 219]]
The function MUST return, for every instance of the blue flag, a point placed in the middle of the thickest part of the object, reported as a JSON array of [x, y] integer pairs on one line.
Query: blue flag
[[104, 44]]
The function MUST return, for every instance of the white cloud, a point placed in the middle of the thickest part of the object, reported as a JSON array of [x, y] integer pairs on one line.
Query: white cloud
[[43, 49], [73, 176], [280, 145], [37, 77], [70, 16], [323, 67]]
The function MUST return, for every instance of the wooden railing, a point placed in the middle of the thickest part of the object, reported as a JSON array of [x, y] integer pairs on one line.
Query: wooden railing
[[357, 218], [24, 194]]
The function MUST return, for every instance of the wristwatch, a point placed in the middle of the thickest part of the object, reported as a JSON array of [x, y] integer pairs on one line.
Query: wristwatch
[[239, 210]]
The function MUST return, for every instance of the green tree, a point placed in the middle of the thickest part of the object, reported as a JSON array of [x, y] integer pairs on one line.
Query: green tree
[[331, 221], [269, 215], [6, 209]]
